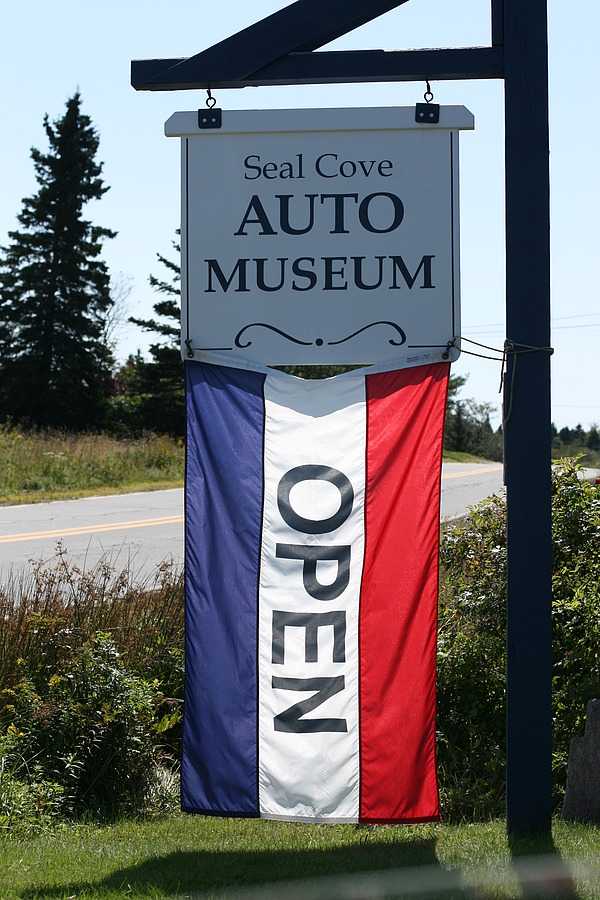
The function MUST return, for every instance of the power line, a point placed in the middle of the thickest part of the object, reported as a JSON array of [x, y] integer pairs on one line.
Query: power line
[[554, 319], [574, 406], [500, 329]]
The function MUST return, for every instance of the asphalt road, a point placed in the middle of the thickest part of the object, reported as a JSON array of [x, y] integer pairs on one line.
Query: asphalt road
[[465, 484], [140, 531]]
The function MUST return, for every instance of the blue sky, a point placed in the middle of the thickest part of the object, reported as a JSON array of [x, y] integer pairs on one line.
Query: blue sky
[[48, 51]]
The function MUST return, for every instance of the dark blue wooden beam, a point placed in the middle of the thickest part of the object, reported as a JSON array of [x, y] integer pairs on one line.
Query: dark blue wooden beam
[[302, 26], [497, 22], [329, 67], [527, 431]]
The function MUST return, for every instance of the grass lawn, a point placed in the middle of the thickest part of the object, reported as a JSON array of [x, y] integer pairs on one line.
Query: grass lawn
[[184, 856]]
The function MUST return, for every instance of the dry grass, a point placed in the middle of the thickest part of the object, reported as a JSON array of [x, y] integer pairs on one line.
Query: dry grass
[[43, 465], [49, 612]]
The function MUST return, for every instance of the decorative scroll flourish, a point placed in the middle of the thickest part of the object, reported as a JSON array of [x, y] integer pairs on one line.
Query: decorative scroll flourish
[[372, 325], [318, 341], [238, 337]]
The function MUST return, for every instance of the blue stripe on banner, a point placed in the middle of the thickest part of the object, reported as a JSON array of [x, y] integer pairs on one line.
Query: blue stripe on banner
[[224, 495]]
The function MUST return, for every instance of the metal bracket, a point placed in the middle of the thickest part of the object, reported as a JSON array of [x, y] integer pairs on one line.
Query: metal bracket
[[210, 118], [427, 113]]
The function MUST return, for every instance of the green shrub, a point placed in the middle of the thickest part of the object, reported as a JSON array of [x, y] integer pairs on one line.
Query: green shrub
[[26, 800], [91, 691], [575, 607], [472, 642], [89, 730]]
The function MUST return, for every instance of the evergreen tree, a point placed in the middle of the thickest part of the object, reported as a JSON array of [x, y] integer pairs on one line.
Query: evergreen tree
[[159, 383], [54, 288], [592, 443], [593, 438]]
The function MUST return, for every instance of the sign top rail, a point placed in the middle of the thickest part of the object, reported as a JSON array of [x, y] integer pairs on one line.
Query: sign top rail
[[185, 124]]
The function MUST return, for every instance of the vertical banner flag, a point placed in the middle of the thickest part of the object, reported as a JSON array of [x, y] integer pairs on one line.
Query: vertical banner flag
[[312, 530]]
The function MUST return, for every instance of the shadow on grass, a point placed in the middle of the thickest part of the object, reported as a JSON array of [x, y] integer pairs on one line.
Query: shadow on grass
[[539, 867], [198, 873]]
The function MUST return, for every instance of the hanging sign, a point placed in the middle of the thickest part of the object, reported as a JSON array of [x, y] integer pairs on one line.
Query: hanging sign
[[320, 236]]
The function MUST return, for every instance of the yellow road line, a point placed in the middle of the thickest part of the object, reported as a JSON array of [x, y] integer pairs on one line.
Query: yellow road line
[[163, 520], [88, 529], [472, 472]]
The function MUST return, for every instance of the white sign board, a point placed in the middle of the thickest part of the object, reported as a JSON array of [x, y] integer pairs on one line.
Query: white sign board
[[321, 236]]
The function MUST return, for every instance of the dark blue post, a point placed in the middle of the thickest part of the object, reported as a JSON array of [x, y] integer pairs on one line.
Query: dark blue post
[[527, 431]]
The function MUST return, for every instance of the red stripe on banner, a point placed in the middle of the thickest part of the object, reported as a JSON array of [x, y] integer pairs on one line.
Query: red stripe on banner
[[398, 616]]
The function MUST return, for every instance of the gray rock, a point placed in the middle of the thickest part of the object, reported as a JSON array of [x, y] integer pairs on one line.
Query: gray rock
[[582, 796]]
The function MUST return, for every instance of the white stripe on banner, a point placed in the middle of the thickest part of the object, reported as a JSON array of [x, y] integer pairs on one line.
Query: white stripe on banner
[[311, 569]]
